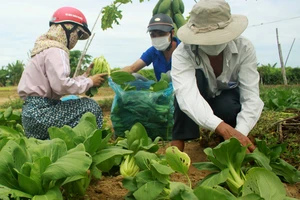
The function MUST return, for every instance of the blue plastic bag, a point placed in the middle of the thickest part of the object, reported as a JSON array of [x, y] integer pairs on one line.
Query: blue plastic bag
[[154, 110]]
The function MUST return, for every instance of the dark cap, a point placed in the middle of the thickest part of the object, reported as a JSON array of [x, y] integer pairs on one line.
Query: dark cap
[[161, 22]]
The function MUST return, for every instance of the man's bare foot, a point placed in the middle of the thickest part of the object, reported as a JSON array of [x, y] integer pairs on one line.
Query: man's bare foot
[[179, 144]]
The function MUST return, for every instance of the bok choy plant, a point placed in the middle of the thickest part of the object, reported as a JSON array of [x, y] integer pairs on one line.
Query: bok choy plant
[[231, 167], [104, 155], [285, 171], [226, 164], [152, 181], [135, 140], [36, 169]]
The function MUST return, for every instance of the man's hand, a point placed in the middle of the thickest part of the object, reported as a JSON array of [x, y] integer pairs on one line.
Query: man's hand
[[98, 79], [226, 131]]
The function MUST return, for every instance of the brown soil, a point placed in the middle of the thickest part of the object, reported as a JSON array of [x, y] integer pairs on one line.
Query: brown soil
[[110, 187]]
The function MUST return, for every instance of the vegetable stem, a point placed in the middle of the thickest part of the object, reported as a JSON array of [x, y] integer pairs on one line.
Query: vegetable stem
[[236, 181], [189, 180]]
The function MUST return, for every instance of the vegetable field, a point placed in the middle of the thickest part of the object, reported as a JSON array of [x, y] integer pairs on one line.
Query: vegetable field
[[201, 171]]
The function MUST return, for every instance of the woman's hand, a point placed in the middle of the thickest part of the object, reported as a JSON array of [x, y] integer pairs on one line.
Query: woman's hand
[[88, 70], [227, 132], [98, 79]]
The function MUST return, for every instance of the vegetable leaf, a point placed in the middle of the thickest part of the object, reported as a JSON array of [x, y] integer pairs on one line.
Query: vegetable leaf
[[178, 161], [264, 183], [68, 165], [149, 191]]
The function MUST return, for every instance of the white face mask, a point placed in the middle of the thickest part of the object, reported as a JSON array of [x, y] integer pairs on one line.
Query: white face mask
[[161, 43], [213, 50]]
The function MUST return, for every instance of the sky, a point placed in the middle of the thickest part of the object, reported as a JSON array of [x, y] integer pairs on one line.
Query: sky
[[23, 21]]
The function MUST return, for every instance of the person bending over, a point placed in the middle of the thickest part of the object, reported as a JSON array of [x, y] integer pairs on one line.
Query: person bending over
[[214, 75]]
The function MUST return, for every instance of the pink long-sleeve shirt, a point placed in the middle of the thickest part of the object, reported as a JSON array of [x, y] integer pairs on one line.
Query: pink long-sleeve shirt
[[47, 74]]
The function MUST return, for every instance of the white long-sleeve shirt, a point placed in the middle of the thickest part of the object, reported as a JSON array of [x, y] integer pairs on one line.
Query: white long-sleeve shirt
[[48, 75], [239, 70]]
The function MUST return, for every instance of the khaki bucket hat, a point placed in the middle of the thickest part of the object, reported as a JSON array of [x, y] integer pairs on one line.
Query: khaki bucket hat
[[211, 23]]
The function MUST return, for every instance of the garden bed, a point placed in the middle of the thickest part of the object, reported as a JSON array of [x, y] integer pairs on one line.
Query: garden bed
[[110, 186], [273, 127]]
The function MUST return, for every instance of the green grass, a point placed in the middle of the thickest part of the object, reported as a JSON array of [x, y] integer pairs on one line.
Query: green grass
[[8, 88], [11, 94], [280, 98], [268, 129], [105, 104], [8, 91], [16, 103], [105, 91]]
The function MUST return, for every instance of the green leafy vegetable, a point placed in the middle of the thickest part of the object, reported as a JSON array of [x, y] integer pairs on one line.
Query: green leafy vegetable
[[264, 183], [34, 169], [128, 166], [281, 168], [178, 161], [100, 66], [229, 163]]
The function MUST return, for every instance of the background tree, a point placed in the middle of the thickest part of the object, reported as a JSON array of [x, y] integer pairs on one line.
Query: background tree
[[111, 14], [293, 75], [15, 72], [74, 58], [3, 77], [271, 75]]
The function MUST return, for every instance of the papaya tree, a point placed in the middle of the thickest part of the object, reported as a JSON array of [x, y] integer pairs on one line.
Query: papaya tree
[[111, 14]]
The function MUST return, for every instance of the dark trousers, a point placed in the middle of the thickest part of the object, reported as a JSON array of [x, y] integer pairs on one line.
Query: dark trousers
[[226, 106]]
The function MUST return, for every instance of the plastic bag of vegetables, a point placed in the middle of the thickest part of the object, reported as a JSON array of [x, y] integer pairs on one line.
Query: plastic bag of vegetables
[[150, 103]]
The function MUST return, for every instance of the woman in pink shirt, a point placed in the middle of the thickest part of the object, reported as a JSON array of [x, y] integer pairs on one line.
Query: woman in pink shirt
[[46, 78]]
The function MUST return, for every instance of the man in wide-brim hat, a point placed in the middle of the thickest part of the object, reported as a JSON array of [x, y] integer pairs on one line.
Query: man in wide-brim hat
[[215, 77]]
